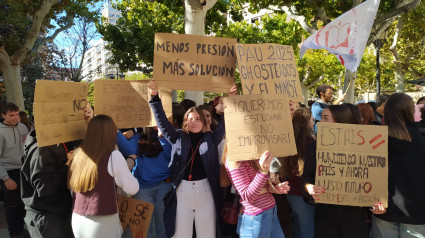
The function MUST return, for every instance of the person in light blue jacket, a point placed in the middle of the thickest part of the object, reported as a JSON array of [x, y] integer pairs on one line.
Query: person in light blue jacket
[[152, 154]]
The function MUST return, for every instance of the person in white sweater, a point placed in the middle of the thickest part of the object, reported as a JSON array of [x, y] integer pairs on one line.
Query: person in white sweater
[[95, 169]]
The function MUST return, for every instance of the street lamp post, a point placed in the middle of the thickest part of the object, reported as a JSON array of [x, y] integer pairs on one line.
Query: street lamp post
[[378, 44]]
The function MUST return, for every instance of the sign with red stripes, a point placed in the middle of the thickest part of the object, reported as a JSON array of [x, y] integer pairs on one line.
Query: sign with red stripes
[[352, 164]]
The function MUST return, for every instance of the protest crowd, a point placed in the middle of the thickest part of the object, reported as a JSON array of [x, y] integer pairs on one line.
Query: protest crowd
[[254, 163], [182, 166]]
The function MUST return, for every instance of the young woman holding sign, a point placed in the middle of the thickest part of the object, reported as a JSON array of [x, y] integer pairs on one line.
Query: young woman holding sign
[[94, 171], [258, 217], [194, 173], [405, 216], [335, 221]]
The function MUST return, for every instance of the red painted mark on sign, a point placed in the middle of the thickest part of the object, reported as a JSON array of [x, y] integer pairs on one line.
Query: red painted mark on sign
[[375, 139]]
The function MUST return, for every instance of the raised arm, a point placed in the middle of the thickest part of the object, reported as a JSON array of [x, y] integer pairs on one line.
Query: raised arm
[[127, 147], [250, 190], [164, 125]]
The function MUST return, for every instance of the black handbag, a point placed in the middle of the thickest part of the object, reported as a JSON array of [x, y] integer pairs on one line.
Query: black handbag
[[172, 191]]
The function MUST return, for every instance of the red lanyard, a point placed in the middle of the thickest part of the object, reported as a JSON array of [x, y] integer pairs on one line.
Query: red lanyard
[[193, 158], [64, 146]]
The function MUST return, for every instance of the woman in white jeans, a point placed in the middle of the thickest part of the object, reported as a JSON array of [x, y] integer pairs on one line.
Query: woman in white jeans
[[194, 172]]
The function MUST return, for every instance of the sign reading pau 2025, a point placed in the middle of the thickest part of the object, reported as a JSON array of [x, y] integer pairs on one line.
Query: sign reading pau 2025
[[352, 164]]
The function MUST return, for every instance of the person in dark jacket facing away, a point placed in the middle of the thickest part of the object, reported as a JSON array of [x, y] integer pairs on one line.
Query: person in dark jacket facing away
[[405, 215], [48, 202], [45, 193], [195, 173]]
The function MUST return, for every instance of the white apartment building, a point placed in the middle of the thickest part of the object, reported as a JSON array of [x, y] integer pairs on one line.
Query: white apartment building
[[95, 63], [252, 18]]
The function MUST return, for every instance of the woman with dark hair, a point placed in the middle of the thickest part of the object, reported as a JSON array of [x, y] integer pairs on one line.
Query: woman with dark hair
[[23, 118], [152, 154], [367, 116], [211, 122], [293, 167], [406, 178], [93, 173], [335, 220], [194, 170]]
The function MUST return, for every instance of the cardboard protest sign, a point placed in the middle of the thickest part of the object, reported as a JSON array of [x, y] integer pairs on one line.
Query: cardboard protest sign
[[269, 69], [58, 111], [192, 62], [352, 164], [127, 102], [256, 123], [136, 214]]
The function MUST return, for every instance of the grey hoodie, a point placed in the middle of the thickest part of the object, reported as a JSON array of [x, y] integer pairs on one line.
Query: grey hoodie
[[12, 139]]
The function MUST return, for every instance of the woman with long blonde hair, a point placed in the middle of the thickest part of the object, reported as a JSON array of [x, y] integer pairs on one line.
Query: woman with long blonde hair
[[96, 168]]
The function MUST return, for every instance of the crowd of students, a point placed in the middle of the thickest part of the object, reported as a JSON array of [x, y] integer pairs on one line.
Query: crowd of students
[[180, 167]]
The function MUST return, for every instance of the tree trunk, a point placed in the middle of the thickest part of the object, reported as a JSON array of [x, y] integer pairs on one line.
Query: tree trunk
[[194, 24], [13, 85], [349, 87], [399, 74], [306, 93]]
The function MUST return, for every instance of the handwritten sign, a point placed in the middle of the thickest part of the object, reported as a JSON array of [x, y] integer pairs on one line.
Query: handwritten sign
[[191, 62], [58, 111], [136, 214], [269, 69], [127, 102], [352, 164], [256, 123]]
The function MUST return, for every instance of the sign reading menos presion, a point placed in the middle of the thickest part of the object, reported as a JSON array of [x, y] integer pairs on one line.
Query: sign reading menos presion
[[192, 62], [352, 164]]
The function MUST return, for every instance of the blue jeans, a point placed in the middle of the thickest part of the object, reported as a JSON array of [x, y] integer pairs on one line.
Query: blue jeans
[[384, 229], [264, 225], [303, 215], [155, 195]]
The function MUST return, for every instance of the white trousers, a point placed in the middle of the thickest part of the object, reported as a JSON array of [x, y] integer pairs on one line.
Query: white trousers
[[195, 202], [107, 226]]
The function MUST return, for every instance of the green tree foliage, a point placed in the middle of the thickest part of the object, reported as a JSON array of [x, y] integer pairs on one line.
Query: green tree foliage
[[411, 43], [131, 40], [25, 27]]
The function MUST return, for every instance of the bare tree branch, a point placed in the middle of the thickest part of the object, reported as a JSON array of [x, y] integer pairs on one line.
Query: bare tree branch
[[59, 30], [316, 81], [210, 4], [404, 6], [299, 18], [321, 14], [34, 31], [383, 27], [307, 75]]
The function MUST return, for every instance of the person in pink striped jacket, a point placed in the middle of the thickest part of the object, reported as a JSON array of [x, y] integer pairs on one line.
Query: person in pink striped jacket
[[258, 216]]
